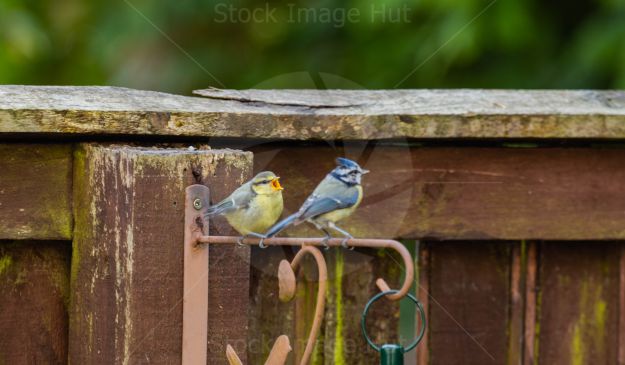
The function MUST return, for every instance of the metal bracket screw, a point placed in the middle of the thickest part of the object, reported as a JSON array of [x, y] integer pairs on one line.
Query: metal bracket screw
[[197, 204]]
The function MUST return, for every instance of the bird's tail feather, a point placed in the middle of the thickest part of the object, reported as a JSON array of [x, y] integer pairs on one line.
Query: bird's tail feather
[[281, 225]]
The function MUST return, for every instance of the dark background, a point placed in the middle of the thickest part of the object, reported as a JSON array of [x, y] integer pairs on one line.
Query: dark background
[[178, 46]]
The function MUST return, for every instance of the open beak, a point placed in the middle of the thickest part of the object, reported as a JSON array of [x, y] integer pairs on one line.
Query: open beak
[[275, 184]]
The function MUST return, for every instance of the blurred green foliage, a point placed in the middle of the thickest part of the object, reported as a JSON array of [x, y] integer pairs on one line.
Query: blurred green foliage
[[178, 46]]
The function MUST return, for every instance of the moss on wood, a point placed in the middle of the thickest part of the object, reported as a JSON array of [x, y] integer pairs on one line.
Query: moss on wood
[[315, 114], [129, 203], [35, 191]]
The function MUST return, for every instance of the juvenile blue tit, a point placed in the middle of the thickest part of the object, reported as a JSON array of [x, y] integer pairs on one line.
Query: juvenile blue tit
[[336, 197], [254, 206]]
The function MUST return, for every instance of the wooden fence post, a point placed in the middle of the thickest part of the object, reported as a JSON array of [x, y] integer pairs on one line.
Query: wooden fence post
[[127, 261]]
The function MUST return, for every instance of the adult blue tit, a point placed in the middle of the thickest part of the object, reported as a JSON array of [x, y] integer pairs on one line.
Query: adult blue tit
[[254, 206], [336, 197]]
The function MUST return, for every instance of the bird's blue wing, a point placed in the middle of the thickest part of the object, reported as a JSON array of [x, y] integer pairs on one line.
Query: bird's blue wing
[[321, 205]]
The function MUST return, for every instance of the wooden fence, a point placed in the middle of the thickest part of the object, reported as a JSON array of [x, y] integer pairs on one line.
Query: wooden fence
[[513, 203]]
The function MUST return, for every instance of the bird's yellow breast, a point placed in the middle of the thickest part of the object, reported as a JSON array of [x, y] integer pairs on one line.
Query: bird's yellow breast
[[337, 215], [262, 213]]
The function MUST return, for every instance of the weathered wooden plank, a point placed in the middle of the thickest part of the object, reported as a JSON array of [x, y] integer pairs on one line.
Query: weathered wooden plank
[[531, 305], [229, 272], [35, 191], [578, 303], [268, 316], [128, 247], [466, 193], [621, 326], [468, 321], [515, 324], [409, 320], [304, 313], [352, 283], [34, 282], [315, 114], [423, 294]]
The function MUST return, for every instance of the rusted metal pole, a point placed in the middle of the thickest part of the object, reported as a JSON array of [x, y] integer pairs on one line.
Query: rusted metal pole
[[334, 242], [195, 282], [279, 351]]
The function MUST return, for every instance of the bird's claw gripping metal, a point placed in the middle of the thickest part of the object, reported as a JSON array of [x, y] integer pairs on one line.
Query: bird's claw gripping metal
[[324, 243], [344, 243], [261, 243]]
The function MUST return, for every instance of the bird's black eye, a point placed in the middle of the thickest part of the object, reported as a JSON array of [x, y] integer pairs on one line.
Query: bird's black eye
[[262, 182]]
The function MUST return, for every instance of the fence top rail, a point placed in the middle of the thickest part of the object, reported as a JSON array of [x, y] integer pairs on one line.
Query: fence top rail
[[314, 114]]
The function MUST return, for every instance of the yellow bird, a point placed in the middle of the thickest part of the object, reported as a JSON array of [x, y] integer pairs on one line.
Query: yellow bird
[[254, 206]]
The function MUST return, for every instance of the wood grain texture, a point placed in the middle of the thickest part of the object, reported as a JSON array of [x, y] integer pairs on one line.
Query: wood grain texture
[[127, 257], [314, 114], [34, 282], [579, 303], [621, 325], [352, 284], [516, 316], [304, 314], [268, 316], [35, 191], [465, 193], [532, 307], [423, 294], [469, 284]]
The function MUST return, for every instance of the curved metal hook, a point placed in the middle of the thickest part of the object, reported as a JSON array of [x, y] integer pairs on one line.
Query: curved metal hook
[[287, 291], [277, 356], [336, 242]]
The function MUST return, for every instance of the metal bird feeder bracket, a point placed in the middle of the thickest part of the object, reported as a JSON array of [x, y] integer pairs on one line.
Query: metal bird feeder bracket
[[195, 300], [392, 354]]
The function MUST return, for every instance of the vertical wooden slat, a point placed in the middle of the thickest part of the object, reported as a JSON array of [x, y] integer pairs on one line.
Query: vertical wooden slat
[[469, 287], [529, 331], [304, 312], [195, 278], [579, 302], [423, 294], [408, 319], [34, 282], [228, 282], [268, 316], [352, 276], [621, 330], [127, 261], [515, 340]]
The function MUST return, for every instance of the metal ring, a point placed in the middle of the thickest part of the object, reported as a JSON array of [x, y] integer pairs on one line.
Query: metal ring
[[380, 295]]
